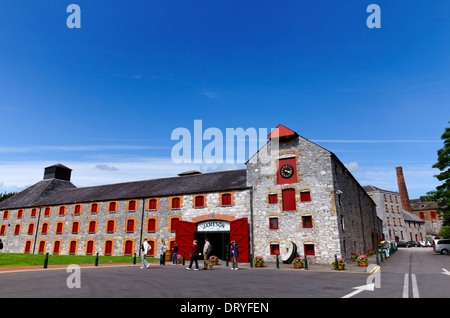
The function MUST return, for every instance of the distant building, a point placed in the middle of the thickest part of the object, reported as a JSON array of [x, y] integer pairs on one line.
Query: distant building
[[427, 211]]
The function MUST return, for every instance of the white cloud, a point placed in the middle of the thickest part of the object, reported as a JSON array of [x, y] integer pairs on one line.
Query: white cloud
[[352, 166]]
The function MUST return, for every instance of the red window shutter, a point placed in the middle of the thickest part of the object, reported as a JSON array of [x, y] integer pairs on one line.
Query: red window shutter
[[44, 228], [56, 247], [110, 226], [226, 199], [73, 247], [239, 233], [108, 247], [174, 224], [305, 196], [75, 227], [128, 247], [59, 227], [151, 226], [152, 204], [132, 205], [175, 203], [274, 249], [273, 198], [20, 214], [31, 228], [112, 207], [199, 201], [41, 247], [152, 248], [184, 237], [90, 247], [309, 249], [17, 229], [27, 246], [293, 178], [94, 208], [289, 200], [92, 227], [130, 225]]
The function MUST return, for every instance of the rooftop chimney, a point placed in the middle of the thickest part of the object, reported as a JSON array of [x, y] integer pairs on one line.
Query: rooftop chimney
[[57, 171], [406, 205]]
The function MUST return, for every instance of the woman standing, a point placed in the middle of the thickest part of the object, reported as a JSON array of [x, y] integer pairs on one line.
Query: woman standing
[[234, 253], [174, 253]]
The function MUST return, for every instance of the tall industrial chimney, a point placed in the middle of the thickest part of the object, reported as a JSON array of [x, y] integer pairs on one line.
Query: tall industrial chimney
[[406, 205]]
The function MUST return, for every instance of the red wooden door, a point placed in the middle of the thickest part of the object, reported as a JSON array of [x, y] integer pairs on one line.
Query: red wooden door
[[128, 247], [239, 233], [185, 236]]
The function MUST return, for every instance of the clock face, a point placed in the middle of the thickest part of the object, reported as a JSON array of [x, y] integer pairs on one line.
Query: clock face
[[286, 171]]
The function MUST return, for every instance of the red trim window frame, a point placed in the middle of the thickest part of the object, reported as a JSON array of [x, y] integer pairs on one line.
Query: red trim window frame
[[307, 222], [77, 209], [112, 206], [305, 196], [199, 201], [309, 249], [94, 207], [273, 223], [132, 205], [288, 197]]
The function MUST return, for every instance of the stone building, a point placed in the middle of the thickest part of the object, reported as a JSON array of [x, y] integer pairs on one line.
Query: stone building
[[293, 198], [426, 210]]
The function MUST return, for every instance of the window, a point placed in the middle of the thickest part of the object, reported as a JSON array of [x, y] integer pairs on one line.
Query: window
[[112, 207], [199, 201], [309, 249], [59, 227], [77, 209], [92, 226], [433, 215], [90, 244], [422, 215], [130, 225], [3, 229], [33, 213], [73, 247], [226, 199], [274, 249], [176, 203], [307, 221], [273, 223], [56, 246], [44, 228], [131, 206], [20, 214], [288, 200], [30, 228], [152, 204], [273, 198], [111, 226], [129, 247], [94, 208], [5, 214], [47, 211], [17, 229], [75, 227], [108, 250], [27, 246], [173, 223], [305, 196], [41, 248], [62, 210], [151, 225]]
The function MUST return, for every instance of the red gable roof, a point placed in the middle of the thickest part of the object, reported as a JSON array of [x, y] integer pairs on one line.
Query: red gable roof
[[281, 131]]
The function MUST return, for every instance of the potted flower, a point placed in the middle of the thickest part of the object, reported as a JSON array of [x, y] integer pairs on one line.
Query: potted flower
[[354, 256], [258, 261], [213, 260], [179, 258], [298, 262], [362, 260], [340, 262]]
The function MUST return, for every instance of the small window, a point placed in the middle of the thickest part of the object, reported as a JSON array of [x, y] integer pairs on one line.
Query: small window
[[30, 228], [130, 225], [112, 207], [75, 227], [151, 225], [273, 198], [274, 249], [273, 223], [62, 210], [17, 229], [20, 214], [433, 215], [309, 249], [199, 201], [422, 215], [305, 196], [131, 205], [3, 229], [174, 223], [56, 246], [92, 227], [152, 204], [33, 213], [77, 209], [44, 228], [5, 214], [90, 247], [108, 247], [110, 226], [94, 208], [226, 199], [47, 211], [176, 203], [59, 227], [307, 221]]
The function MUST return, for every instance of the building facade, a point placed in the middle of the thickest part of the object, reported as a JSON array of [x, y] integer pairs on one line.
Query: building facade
[[426, 210], [293, 198]]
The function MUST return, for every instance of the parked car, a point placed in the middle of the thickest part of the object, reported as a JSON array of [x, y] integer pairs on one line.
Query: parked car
[[403, 244], [412, 243], [429, 243], [442, 246], [422, 243]]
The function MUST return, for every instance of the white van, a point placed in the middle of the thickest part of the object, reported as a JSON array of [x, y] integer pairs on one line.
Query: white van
[[442, 246]]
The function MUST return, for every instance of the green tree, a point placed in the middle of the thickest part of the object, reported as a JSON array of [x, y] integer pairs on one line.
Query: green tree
[[4, 196], [445, 231], [442, 193]]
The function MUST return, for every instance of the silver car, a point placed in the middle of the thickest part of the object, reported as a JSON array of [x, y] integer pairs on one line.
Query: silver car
[[442, 246]]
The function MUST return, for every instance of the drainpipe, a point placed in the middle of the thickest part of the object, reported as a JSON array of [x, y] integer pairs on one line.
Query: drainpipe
[[142, 226], [36, 229]]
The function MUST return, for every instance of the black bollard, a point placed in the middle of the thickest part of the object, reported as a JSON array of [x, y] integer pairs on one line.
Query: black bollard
[[306, 263], [183, 259], [46, 260], [278, 263], [96, 259]]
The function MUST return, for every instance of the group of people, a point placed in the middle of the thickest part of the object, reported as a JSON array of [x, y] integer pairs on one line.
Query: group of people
[[194, 256]]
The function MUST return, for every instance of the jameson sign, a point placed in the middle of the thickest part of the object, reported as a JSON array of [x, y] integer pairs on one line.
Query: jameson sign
[[213, 226]]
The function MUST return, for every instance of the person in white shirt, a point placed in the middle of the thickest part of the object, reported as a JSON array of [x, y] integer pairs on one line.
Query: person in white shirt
[[206, 252], [145, 248]]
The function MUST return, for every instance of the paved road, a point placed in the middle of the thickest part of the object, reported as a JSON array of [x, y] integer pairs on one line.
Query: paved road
[[177, 282]]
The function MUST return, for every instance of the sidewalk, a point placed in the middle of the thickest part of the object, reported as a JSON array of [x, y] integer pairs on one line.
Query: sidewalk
[[351, 267]]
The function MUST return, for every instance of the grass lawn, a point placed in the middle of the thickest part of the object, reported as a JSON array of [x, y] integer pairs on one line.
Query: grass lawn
[[19, 259]]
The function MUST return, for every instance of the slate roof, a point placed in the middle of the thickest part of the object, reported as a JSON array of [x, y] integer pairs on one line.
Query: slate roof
[[35, 193], [408, 216], [198, 183]]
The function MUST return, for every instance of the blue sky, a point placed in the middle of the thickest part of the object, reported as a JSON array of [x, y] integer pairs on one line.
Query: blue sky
[[105, 98]]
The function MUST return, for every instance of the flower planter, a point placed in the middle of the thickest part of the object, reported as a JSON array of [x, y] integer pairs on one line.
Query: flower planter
[[362, 263], [298, 265], [179, 260], [214, 262], [341, 267], [259, 265]]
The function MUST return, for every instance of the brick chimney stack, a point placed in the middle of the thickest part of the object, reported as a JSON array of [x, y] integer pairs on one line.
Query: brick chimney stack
[[406, 205]]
